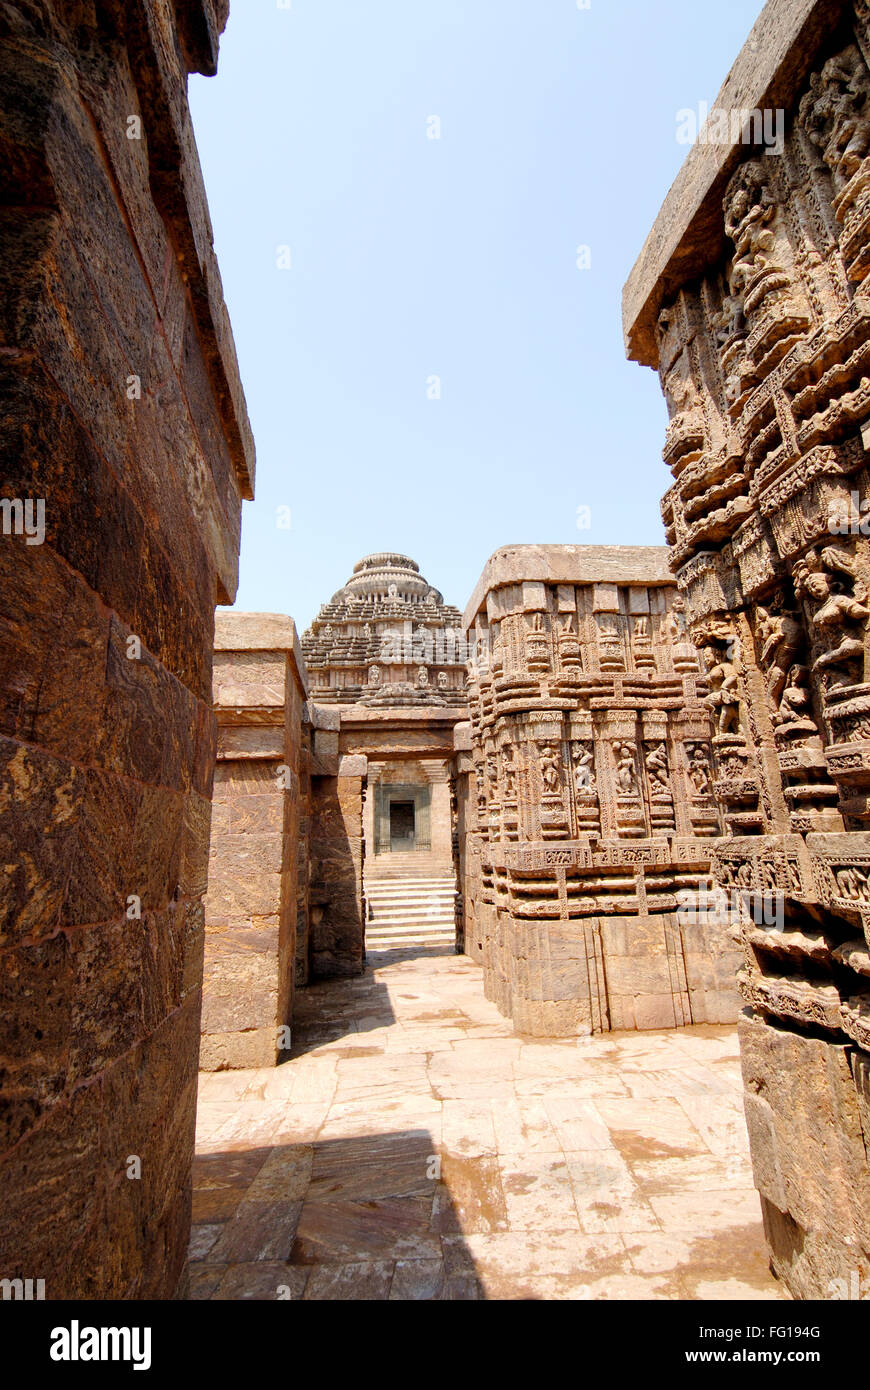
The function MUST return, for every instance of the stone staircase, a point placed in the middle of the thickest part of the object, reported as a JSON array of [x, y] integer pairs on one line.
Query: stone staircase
[[411, 913]]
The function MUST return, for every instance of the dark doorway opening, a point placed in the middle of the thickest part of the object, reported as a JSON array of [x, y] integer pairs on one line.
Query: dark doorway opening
[[402, 825]]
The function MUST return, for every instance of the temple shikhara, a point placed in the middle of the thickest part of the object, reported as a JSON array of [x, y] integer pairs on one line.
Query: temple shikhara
[[513, 951], [386, 639]]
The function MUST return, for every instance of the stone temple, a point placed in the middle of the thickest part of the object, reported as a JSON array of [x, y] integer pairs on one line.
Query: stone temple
[[386, 639], [403, 960]]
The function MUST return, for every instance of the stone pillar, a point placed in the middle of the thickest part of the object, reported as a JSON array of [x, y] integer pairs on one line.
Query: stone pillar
[[252, 902], [336, 896], [127, 452], [751, 298], [587, 797]]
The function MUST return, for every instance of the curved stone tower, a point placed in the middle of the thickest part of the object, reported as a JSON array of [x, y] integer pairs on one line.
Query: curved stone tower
[[386, 639]]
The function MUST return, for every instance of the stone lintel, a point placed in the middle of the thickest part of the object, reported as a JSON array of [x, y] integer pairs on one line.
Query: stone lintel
[[687, 236]]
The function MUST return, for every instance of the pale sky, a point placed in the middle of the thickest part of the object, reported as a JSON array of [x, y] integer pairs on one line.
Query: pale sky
[[413, 258]]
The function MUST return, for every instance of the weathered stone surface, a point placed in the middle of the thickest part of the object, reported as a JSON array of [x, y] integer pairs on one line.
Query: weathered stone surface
[[750, 298], [124, 418], [252, 909]]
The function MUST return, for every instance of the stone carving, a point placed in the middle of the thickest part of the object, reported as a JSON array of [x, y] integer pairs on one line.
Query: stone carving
[[422, 677], [625, 754], [724, 697], [510, 771], [781, 637], [836, 614], [374, 675], [835, 113], [699, 769], [584, 769], [590, 799], [656, 763], [550, 760], [762, 331], [352, 635]]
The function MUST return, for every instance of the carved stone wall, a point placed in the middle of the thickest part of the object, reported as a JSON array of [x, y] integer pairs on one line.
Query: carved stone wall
[[125, 423], [752, 300], [586, 796]]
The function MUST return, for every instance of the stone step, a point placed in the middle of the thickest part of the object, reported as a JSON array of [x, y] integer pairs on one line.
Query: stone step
[[430, 886], [390, 933], [408, 890], [410, 878], [382, 943], [414, 909], [443, 900]]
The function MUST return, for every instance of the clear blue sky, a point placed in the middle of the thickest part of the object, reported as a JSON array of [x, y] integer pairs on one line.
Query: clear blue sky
[[412, 257]]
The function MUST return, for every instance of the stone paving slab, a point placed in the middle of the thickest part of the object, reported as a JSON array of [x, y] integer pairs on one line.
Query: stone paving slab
[[414, 1148]]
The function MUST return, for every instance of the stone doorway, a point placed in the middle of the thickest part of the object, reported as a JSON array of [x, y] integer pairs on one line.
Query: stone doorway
[[402, 826]]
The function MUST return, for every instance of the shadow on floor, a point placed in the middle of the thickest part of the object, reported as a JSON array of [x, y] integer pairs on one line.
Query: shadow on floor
[[328, 1010], [357, 1217]]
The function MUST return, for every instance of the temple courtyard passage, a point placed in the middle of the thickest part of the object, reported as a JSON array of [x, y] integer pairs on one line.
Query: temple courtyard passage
[[414, 1147]]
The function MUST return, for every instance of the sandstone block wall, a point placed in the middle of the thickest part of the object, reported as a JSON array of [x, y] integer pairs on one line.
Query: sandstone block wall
[[124, 420], [751, 298], [252, 904], [585, 797]]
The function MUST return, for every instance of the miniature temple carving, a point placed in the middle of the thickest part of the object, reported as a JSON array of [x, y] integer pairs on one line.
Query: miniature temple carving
[[587, 795]]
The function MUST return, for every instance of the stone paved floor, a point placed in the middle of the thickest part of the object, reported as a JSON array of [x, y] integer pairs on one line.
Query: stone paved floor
[[613, 1168]]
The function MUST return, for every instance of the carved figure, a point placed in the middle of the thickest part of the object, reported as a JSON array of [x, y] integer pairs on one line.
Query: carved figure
[[551, 767], [724, 697], [834, 114], [584, 768], [699, 770], [836, 613], [795, 705], [656, 762], [626, 770], [781, 637]]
